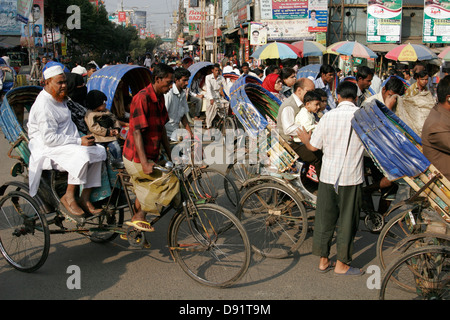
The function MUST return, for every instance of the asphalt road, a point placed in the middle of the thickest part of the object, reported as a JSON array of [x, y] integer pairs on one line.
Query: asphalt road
[[117, 271]]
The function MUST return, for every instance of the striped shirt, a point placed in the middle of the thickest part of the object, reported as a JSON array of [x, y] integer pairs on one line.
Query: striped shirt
[[332, 137]]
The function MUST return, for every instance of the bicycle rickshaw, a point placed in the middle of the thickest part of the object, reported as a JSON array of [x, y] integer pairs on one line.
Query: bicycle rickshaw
[[413, 247], [206, 240], [275, 198]]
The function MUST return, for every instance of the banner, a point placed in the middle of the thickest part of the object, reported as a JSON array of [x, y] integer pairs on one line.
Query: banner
[[287, 30], [257, 34], [194, 15], [436, 21], [284, 9], [317, 15], [384, 21], [9, 26], [23, 10]]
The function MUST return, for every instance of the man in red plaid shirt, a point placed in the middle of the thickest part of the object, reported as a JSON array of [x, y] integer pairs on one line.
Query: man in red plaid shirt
[[148, 116]]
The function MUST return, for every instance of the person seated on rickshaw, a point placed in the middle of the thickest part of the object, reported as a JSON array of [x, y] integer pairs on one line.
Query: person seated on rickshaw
[[306, 118], [147, 132], [102, 124], [56, 143]]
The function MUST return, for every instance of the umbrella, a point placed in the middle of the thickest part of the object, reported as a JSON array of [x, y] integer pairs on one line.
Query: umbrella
[[445, 54], [411, 52], [276, 50], [355, 49], [331, 48], [309, 48], [309, 71]]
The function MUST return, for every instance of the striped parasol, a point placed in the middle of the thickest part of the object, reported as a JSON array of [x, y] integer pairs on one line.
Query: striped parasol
[[411, 52], [355, 49], [309, 48], [276, 50], [445, 54]]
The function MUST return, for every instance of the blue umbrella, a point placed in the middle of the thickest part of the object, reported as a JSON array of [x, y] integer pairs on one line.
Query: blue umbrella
[[311, 70]]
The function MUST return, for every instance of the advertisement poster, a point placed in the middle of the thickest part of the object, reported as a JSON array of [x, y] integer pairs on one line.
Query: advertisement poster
[[23, 10], [436, 21], [32, 34], [317, 15], [287, 30], [258, 34], [284, 9], [384, 21], [9, 25]]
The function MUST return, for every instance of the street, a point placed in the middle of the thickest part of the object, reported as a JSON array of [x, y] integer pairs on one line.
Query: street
[[116, 271]]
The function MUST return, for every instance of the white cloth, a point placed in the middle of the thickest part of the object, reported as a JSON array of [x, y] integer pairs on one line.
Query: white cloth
[[54, 140], [177, 107], [80, 70], [305, 119], [332, 137], [213, 86], [288, 118]]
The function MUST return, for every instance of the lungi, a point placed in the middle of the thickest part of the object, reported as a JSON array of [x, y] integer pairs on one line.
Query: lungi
[[153, 191]]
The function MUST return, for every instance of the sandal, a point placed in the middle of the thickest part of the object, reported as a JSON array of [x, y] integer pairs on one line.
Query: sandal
[[141, 225], [331, 265]]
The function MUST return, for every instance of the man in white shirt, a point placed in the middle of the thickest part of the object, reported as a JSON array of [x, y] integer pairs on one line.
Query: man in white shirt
[[287, 127], [340, 187], [56, 143], [214, 83], [176, 104], [364, 78]]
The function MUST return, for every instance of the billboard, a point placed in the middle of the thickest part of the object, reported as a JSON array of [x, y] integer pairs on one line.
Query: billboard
[[436, 21], [384, 21]]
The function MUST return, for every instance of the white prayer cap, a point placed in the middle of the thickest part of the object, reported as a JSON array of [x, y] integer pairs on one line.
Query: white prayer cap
[[52, 71]]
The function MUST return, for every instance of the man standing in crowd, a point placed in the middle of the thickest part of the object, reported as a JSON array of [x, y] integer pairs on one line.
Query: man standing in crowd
[[341, 179], [36, 72], [364, 78], [325, 81], [55, 141], [148, 116], [176, 104], [214, 82], [436, 130]]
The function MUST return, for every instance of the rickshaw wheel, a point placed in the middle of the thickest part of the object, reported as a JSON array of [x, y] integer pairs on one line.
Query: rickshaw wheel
[[374, 221], [24, 232]]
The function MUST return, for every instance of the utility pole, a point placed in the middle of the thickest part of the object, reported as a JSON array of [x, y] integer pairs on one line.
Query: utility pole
[[202, 30]]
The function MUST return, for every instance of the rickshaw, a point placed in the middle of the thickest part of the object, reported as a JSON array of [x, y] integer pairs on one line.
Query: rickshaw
[[275, 197], [201, 233], [413, 247]]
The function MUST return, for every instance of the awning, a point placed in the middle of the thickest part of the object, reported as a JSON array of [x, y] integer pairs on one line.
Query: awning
[[230, 31], [9, 42]]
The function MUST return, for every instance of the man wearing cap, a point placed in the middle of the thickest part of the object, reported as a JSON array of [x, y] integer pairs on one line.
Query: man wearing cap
[[56, 144]]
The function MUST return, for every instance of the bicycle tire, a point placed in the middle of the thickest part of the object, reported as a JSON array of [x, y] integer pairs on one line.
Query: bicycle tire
[[209, 188], [218, 256], [395, 230], [275, 219], [107, 226], [24, 235], [424, 273]]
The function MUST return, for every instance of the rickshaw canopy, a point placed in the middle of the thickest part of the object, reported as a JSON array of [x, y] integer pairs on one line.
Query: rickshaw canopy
[[108, 78]]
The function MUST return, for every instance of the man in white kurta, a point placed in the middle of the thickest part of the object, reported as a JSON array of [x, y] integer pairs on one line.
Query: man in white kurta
[[56, 144], [214, 83]]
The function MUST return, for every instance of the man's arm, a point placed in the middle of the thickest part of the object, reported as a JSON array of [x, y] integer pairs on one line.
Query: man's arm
[[147, 166], [305, 137], [288, 121], [166, 143]]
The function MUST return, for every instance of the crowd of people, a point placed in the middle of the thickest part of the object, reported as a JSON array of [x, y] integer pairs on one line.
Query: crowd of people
[[314, 118]]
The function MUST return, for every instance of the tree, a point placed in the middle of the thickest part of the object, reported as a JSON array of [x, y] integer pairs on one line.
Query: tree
[[98, 38]]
